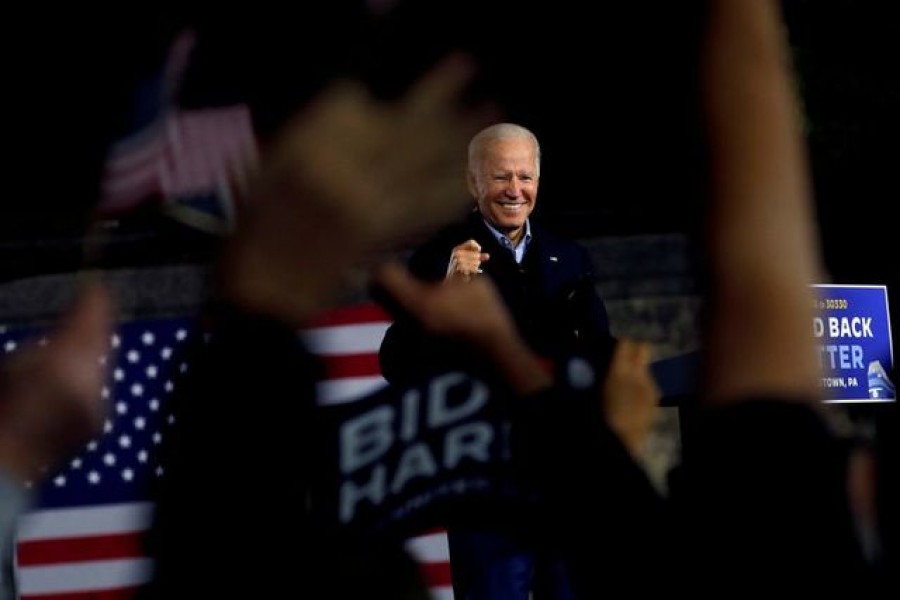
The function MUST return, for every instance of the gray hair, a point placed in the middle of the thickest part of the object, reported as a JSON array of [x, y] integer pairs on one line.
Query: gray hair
[[502, 131]]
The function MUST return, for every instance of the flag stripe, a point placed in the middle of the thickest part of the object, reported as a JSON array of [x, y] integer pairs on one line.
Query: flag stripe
[[75, 522], [350, 315], [137, 152], [96, 547], [142, 174], [429, 547], [352, 365], [344, 339], [338, 391], [442, 593], [122, 593], [435, 574], [133, 170], [84, 576]]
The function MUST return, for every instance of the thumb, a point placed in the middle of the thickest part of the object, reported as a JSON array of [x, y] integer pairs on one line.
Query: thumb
[[471, 245]]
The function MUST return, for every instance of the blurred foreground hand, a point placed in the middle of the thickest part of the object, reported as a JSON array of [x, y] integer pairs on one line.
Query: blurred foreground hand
[[350, 177], [50, 394], [630, 394]]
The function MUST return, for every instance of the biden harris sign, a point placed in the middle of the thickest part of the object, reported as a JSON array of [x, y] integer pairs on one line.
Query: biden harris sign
[[852, 327]]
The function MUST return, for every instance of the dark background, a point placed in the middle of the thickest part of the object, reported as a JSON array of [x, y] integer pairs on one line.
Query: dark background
[[609, 90]]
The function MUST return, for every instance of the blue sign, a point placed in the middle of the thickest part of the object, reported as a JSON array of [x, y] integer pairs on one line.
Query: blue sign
[[852, 327]]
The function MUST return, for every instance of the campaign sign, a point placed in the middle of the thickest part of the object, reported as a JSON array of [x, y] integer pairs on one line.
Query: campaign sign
[[852, 327]]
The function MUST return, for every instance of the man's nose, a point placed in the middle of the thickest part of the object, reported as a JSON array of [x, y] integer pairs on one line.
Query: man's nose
[[513, 187]]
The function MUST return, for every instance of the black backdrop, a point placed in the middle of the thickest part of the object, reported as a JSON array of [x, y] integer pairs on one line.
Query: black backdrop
[[608, 88]]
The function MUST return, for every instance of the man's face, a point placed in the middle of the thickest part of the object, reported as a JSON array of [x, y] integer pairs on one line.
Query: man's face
[[505, 184]]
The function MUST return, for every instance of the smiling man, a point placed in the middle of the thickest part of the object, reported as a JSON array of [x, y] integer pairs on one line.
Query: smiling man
[[504, 171], [548, 284]]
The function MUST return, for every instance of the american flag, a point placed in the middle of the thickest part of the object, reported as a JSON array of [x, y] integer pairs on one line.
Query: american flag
[[190, 160], [83, 538], [85, 532]]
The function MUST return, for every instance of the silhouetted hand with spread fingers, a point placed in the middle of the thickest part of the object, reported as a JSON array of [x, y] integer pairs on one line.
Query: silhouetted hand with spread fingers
[[350, 176]]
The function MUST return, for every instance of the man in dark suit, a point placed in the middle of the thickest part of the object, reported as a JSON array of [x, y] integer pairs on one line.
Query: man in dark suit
[[548, 285]]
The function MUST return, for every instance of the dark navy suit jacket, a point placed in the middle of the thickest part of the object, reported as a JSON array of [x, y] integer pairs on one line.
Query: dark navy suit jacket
[[555, 305]]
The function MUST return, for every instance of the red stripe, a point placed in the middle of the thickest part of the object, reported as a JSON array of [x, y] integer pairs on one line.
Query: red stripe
[[142, 155], [352, 365], [140, 186], [357, 314], [431, 531], [63, 550], [122, 194], [436, 574], [121, 593]]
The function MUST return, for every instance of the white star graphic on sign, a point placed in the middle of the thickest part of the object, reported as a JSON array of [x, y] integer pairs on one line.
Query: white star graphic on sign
[[9, 346], [59, 480], [109, 459], [166, 353], [125, 441], [152, 372], [154, 404], [133, 356], [118, 374], [121, 408], [142, 456], [180, 335], [76, 463], [115, 340], [137, 390], [148, 338], [93, 477], [140, 423], [127, 474]]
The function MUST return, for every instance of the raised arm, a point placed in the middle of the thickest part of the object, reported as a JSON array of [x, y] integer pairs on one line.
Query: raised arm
[[763, 249], [349, 177]]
